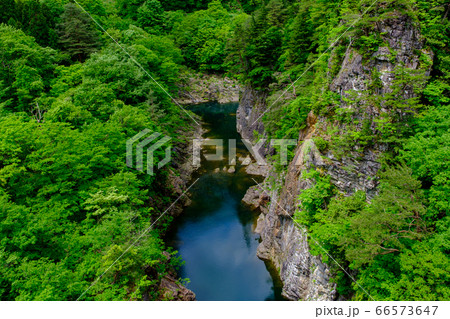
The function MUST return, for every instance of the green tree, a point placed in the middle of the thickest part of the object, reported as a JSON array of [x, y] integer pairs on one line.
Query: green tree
[[185, 5], [25, 71], [261, 44], [7, 8], [391, 223], [300, 37], [150, 16], [129, 8], [202, 37], [77, 35]]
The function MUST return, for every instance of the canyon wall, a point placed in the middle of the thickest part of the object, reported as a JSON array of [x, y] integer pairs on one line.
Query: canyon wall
[[283, 242]]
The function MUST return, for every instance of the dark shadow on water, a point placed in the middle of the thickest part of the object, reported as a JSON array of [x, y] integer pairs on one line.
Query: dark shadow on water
[[214, 235]]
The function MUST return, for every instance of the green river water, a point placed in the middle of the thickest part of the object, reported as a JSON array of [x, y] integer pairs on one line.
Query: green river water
[[214, 235]]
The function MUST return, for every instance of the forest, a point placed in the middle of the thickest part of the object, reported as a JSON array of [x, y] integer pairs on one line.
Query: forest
[[75, 86]]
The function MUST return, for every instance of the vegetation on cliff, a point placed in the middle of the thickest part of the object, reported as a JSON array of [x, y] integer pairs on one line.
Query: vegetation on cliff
[[300, 54], [70, 98]]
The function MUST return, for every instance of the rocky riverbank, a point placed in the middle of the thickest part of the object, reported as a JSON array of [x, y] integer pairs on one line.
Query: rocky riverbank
[[180, 175], [199, 88], [179, 179], [283, 242]]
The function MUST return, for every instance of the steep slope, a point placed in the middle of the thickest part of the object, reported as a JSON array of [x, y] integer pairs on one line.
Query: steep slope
[[365, 87]]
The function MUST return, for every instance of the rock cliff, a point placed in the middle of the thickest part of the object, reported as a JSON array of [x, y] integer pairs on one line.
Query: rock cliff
[[202, 88], [251, 106], [249, 117], [283, 242]]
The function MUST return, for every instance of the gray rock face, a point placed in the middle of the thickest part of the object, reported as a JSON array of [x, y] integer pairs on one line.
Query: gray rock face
[[255, 169], [404, 44], [357, 171], [255, 199], [304, 276], [283, 242], [251, 106], [199, 88]]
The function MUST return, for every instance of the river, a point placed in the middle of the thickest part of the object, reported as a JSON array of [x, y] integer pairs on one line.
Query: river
[[214, 235]]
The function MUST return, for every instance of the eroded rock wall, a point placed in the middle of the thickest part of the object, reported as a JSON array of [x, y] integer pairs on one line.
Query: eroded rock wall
[[283, 242], [251, 106], [202, 88]]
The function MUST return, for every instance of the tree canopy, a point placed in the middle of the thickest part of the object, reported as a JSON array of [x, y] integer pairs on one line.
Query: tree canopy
[[70, 98]]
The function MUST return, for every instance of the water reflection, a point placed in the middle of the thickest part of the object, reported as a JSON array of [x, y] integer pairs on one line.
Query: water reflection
[[214, 235]]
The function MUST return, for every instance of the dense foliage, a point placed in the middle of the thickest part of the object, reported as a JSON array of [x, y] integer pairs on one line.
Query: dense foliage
[[396, 243], [70, 98], [69, 206]]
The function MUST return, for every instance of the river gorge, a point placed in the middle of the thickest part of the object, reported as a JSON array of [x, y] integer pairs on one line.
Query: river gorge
[[215, 233]]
